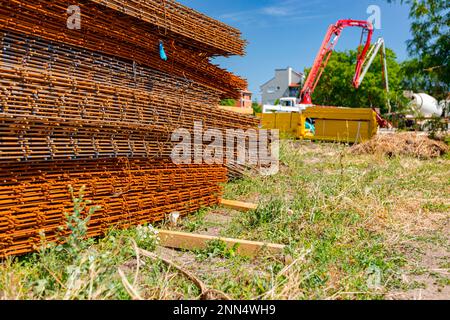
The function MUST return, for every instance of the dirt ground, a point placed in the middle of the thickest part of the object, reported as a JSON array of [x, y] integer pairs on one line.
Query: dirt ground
[[428, 270]]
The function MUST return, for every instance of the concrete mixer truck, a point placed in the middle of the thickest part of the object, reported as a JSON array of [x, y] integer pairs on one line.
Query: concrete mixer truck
[[425, 107]]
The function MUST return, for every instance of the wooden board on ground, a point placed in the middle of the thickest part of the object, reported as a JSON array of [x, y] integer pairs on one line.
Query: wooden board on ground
[[237, 205], [188, 241]]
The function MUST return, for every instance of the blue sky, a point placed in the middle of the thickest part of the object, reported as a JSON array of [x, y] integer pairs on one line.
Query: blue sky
[[285, 33]]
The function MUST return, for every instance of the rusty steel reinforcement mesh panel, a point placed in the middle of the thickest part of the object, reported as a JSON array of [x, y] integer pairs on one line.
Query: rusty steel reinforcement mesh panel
[[105, 30], [52, 105], [96, 107], [173, 17], [34, 196]]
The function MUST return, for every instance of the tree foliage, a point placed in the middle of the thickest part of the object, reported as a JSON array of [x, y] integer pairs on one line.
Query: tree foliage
[[256, 107], [415, 78], [430, 47], [228, 102], [335, 87]]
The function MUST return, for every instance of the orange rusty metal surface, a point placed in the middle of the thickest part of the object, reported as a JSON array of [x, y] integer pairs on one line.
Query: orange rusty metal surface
[[105, 30], [178, 20], [52, 105], [97, 108], [34, 197]]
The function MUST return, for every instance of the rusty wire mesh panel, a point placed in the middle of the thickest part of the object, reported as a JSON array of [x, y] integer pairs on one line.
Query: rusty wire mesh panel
[[104, 31], [52, 106], [34, 196], [97, 108], [170, 16]]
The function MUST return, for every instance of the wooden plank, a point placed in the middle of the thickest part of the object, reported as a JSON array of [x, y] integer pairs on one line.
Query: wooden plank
[[189, 241], [246, 111], [237, 205]]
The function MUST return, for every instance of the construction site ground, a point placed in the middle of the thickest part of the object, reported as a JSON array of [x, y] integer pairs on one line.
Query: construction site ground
[[356, 227]]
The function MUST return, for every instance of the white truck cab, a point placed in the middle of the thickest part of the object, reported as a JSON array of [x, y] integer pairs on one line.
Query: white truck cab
[[290, 104]]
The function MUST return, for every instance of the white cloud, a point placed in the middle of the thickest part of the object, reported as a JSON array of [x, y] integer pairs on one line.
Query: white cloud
[[287, 10], [275, 11]]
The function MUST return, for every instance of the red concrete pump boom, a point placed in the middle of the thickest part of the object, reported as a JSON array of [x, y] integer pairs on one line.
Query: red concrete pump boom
[[326, 50]]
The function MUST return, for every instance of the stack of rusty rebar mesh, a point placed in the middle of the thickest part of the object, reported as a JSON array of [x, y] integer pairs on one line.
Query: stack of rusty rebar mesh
[[96, 107]]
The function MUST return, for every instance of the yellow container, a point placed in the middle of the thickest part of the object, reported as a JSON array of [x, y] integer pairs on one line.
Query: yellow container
[[287, 123], [331, 124]]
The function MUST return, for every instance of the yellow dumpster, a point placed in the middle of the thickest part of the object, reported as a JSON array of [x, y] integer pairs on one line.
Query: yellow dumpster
[[331, 124]]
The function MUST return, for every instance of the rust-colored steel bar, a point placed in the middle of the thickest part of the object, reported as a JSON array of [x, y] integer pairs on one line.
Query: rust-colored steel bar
[[34, 197], [96, 107], [173, 17], [48, 20]]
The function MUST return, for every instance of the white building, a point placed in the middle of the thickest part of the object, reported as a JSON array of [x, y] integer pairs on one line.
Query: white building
[[286, 83]]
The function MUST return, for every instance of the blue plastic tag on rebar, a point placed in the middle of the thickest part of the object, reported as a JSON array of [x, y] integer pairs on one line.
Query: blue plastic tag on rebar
[[162, 52]]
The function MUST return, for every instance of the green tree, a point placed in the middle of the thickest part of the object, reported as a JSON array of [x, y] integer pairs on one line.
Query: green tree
[[430, 46], [335, 87], [256, 107], [415, 78], [228, 102]]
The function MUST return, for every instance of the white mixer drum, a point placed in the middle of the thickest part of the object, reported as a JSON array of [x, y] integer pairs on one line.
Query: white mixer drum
[[427, 105]]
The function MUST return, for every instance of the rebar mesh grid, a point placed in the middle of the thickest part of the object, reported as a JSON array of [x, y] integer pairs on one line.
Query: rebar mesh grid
[[34, 197], [106, 31], [96, 107], [170, 16], [77, 104]]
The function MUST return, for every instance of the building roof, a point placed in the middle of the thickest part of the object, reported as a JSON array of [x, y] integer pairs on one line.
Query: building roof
[[297, 73], [300, 74], [267, 82]]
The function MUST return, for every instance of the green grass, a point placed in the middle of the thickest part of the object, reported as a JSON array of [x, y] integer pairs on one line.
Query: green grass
[[349, 223], [343, 210], [216, 249], [92, 272], [196, 222]]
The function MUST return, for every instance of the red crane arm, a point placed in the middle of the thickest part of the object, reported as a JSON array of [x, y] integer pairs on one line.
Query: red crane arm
[[322, 58]]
